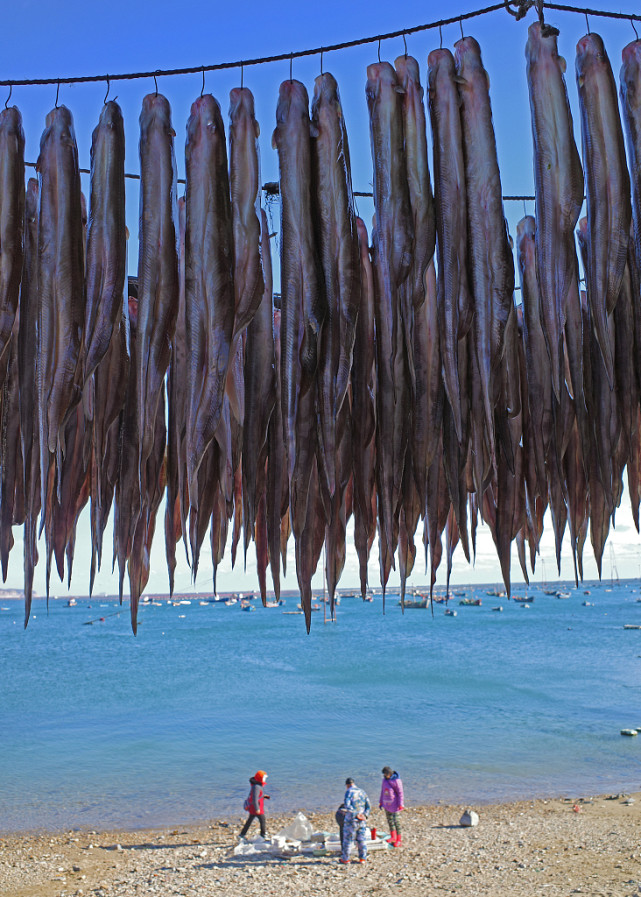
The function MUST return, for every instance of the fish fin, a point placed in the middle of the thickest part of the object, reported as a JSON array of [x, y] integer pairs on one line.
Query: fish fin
[[563, 65], [274, 144], [256, 129]]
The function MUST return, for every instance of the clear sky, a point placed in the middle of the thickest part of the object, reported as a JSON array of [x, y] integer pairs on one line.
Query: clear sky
[[73, 38]]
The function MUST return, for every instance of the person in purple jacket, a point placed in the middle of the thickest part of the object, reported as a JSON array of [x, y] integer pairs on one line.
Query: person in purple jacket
[[391, 800]]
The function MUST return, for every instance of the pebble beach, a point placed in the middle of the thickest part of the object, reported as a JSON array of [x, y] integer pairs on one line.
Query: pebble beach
[[555, 847]]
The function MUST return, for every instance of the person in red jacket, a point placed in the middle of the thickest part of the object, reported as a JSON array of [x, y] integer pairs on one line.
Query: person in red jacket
[[254, 803]]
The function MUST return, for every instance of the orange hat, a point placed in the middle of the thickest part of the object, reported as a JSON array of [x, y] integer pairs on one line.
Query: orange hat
[[260, 776]]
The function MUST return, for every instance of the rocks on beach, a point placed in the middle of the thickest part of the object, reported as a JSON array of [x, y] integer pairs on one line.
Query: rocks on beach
[[521, 849]]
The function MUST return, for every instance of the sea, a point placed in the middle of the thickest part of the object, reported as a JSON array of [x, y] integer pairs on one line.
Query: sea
[[101, 729]]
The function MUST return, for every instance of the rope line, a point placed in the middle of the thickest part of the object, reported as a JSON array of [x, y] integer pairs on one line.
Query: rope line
[[271, 188], [521, 8]]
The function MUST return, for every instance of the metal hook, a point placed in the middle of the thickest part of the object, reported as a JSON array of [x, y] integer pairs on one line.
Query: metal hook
[[104, 102], [379, 49], [156, 85], [202, 89], [57, 92], [634, 29], [291, 62], [587, 22], [321, 61], [6, 102], [460, 24], [524, 209], [242, 75], [405, 44], [440, 31]]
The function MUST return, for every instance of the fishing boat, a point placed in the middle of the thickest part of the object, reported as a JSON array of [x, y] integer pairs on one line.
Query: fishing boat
[[424, 602], [523, 599], [71, 602], [449, 613], [471, 602], [498, 608]]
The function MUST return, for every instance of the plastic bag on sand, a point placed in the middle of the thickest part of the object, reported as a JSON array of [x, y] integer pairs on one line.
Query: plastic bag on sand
[[299, 829], [244, 850]]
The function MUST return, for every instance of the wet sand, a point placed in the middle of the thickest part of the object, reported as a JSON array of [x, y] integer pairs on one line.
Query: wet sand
[[589, 845]]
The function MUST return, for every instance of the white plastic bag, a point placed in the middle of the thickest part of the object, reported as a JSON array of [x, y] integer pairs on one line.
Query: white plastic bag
[[299, 829]]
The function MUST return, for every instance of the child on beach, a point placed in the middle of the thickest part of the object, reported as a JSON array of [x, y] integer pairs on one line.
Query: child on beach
[[357, 807], [391, 800], [254, 803]]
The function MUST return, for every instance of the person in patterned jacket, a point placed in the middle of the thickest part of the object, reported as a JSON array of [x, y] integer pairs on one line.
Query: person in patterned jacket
[[357, 807]]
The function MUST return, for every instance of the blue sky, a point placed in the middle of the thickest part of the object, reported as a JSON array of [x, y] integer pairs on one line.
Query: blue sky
[[87, 39]]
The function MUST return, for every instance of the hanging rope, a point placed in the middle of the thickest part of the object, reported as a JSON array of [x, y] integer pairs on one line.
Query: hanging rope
[[516, 8]]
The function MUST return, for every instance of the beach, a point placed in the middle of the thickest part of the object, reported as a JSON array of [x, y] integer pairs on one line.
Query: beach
[[584, 845]]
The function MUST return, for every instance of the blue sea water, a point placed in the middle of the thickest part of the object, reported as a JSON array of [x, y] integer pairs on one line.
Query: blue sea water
[[101, 729]]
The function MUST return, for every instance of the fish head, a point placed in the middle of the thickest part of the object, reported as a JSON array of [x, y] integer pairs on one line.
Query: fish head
[[11, 121], [155, 107], [241, 108], [407, 69], [381, 80], [542, 47], [111, 115], [293, 103], [631, 73], [205, 118], [439, 63], [590, 56]]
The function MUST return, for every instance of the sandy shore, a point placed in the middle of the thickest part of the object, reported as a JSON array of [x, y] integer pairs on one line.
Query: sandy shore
[[589, 846]]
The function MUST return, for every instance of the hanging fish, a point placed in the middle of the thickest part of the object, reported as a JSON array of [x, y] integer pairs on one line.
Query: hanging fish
[[607, 187], [12, 205], [60, 291], [106, 238], [157, 266], [558, 180], [454, 301], [491, 262], [337, 241], [392, 246], [244, 177]]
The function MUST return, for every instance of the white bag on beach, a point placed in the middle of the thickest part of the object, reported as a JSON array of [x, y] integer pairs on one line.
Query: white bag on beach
[[468, 818], [299, 829]]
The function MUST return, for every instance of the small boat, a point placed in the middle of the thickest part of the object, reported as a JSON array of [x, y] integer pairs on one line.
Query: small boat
[[424, 602], [231, 601], [71, 602], [498, 608], [495, 593], [203, 603], [247, 607], [588, 604], [523, 599], [631, 626], [470, 602], [292, 611], [449, 613], [562, 594], [184, 601]]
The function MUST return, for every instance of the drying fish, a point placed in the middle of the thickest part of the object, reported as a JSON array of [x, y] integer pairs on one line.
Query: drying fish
[[539, 381], [277, 498], [303, 306], [631, 105], [109, 386], [157, 266], [418, 176], [607, 187], [177, 499], [392, 245], [12, 204], [60, 289], [490, 253], [454, 302], [244, 177], [364, 413], [154, 481], [12, 497], [106, 237], [339, 255], [558, 180], [260, 392], [28, 386]]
